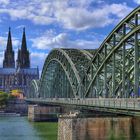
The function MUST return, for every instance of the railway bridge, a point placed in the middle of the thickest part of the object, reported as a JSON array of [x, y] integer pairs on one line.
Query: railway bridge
[[105, 79]]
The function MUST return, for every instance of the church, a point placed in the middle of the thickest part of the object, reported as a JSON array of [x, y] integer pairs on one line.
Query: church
[[19, 74]]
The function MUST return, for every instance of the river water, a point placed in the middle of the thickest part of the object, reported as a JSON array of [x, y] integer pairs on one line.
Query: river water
[[19, 128]]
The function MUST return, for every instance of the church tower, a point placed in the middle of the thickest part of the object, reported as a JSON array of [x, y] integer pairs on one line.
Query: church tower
[[9, 61], [23, 60]]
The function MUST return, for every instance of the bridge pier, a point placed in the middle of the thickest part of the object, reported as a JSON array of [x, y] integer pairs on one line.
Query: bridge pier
[[43, 113], [74, 128]]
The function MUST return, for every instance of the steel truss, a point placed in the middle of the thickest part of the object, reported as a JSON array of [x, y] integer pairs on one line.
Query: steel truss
[[34, 89], [110, 71]]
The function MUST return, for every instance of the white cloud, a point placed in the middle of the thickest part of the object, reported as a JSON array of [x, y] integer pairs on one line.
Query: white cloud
[[38, 59], [1, 58], [4, 2], [137, 1], [72, 14], [20, 26], [3, 42], [62, 40], [48, 42], [80, 18]]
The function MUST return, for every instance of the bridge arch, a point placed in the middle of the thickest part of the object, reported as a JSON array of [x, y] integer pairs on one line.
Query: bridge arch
[[113, 67], [110, 71], [66, 61], [34, 89]]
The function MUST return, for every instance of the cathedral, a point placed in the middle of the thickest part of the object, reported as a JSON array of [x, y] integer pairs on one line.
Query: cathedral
[[19, 74]]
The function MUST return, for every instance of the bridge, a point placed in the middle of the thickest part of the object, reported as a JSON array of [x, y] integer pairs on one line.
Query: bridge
[[106, 79]]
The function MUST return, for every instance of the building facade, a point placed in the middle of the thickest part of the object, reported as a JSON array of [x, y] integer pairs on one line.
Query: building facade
[[17, 74]]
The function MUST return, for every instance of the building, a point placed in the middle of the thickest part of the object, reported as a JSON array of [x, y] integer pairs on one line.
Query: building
[[17, 75]]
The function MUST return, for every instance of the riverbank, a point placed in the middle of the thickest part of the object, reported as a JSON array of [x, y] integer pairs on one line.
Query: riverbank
[[6, 114], [18, 106]]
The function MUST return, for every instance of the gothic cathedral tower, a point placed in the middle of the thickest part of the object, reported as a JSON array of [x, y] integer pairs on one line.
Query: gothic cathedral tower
[[23, 59], [9, 61], [20, 76]]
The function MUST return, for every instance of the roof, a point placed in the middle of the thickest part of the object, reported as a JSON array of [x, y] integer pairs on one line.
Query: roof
[[7, 71]]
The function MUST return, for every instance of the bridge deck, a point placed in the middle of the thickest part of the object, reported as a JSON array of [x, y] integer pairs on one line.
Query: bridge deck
[[122, 106]]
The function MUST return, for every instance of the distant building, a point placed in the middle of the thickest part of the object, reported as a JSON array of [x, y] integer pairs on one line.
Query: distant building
[[17, 75]]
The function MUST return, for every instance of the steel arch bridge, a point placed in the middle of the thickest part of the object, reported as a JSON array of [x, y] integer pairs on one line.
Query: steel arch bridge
[[112, 70], [63, 74]]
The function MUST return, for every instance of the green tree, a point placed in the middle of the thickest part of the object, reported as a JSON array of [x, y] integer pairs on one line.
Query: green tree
[[10, 96], [3, 98]]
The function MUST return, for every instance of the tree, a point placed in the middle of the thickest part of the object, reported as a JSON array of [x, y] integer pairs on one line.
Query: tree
[[16, 93], [3, 98]]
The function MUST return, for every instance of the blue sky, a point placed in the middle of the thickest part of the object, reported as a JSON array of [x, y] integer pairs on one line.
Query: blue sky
[[60, 23]]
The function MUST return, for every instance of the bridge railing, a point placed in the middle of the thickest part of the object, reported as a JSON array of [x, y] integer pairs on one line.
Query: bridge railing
[[121, 103]]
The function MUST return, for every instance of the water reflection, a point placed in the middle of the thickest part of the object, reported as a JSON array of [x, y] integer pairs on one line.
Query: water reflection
[[46, 130]]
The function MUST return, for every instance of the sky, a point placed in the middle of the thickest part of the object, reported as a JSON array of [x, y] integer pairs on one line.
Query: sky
[[52, 24]]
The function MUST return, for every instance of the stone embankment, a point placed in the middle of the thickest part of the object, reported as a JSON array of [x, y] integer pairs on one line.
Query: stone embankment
[[18, 106], [5, 114]]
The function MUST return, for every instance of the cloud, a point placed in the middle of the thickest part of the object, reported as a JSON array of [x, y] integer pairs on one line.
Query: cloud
[[47, 42], [3, 42], [50, 40], [71, 14], [137, 1], [80, 18], [62, 40], [38, 59], [1, 59], [20, 26], [4, 2]]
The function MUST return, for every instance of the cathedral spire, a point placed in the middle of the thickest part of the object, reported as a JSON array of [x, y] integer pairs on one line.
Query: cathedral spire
[[9, 41], [23, 54], [24, 45], [9, 60]]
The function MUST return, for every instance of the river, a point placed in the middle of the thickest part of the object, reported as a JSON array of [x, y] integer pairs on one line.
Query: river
[[19, 128]]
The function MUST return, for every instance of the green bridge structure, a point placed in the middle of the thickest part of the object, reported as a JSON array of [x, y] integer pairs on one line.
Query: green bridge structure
[[105, 79]]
